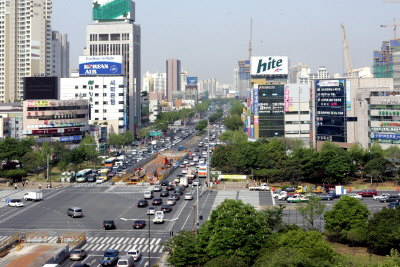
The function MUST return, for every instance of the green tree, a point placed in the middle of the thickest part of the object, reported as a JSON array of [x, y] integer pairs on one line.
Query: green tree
[[201, 125], [384, 231], [393, 260], [234, 229], [31, 161], [89, 147], [116, 140], [233, 123], [348, 213], [15, 175], [226, 262], [128, 138], [312, 210], [233, 137], [184, 250], [377, 167], [274, 217]]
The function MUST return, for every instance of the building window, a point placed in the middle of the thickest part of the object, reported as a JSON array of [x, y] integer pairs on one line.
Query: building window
[[120, 102], [84, 87], [121, 94], [76, 95], [115, 37], [120, 110], [96, 94], [104, 86], [104, 110], [96, 86], [103, 37], [104, 94], [96, 119], [76, 86], [96, 102], [84, 95], [121, 119], [121, 86], [96, 111], [105, 103]]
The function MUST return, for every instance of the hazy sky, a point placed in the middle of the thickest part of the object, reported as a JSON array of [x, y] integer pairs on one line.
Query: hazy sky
[[209, 36]]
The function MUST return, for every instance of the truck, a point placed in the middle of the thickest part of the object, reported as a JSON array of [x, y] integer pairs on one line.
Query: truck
[[262, 187], [158, 217], [33, 196], [110, 257], [309, 189], [183, 181]]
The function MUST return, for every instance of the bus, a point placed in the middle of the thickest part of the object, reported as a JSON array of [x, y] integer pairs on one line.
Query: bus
[[82, 175], [202, 171], [110, 162]]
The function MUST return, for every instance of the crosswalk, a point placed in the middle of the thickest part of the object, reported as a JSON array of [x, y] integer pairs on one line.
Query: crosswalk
[[92, 185], [123, 244], [248, 197], [50, 239]]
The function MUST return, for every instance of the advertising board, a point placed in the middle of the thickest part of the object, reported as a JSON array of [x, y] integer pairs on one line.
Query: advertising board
[[271, 110], [269, 65], [100, 65], [330, 105], [191, 80], [40, 88], [109, 10]]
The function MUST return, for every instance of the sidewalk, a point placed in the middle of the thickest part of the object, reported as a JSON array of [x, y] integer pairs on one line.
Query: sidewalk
[[33, 185]]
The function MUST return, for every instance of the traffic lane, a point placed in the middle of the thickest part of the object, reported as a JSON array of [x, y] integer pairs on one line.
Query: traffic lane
[[94, 259]]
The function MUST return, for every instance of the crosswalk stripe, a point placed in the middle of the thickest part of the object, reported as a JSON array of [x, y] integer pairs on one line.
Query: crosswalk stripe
[[141, 241], [3, 238], [158, 241], [131, 240], [105, 240], [152, 241], [145, 248], [100, 239], [92, 239], [117, 246], [139, 247], [125, 247], [95, 246], [122, 240]]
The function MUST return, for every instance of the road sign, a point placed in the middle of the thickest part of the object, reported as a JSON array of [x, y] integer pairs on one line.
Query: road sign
[[216, 172], [155, 133], [8, 200]]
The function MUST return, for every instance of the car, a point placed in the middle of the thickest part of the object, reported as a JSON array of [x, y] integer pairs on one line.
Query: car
[[109, 225], [188, 196], [176, 196], [383, 195], [157, 188], [166, 208], [196, 150], [358, 196], [179, 190], [164, 193], [296, 199], [157, 201], [148, 194], [92, 178], [81, 265], [151, 210], [196, 182], [192, 163], [393, 205], [77, 254], [164, 183], [16, 203], [171, 201], [142, 203], [75, 212], [134, 253], [184, 170], [325, 197], [139, 224], [170, 187], [182, 165], [110, 257], [390, 199], [368, 193]]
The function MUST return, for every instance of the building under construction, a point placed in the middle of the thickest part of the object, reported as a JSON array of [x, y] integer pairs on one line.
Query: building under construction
[[384, 59]]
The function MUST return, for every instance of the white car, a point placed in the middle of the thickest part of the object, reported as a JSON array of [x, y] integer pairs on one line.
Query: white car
[[196, 182], [16, 203], [188, 196], [384, 195], [185, 162], [171, 201], [99, 180], [184, 171], [355, 196], [135, 253], [151, 210]]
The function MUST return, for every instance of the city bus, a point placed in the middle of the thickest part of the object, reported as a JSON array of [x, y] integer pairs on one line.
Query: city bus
[[110, 162], [82, 175]]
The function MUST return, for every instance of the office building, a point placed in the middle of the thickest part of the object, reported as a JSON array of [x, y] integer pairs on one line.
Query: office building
[[173, 78], [11, 120], [112, 33], [106, 96], [65, 121], [243, 79], [183, 77], [155, 82], [300, 73], [25, 44], [60, 55]]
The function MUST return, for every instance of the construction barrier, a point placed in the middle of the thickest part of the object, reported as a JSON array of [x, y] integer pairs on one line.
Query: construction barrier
[[7, 244], [36, 237]]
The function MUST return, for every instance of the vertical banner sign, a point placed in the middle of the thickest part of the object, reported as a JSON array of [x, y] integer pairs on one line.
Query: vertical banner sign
[[348, 95], [112, 89], [286, 98], [248, 113]]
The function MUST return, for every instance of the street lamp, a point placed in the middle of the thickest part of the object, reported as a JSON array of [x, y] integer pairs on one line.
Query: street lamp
[[149, 243]]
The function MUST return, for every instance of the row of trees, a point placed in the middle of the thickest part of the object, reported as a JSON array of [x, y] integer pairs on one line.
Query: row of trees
[[281, 159], [121, 140], [234, 121], [238, 235]]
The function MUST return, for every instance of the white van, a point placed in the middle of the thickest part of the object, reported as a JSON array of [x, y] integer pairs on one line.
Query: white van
[[148, 195], [125, 261]]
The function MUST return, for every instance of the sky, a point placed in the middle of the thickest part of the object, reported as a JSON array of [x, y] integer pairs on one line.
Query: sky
[[210, 36]]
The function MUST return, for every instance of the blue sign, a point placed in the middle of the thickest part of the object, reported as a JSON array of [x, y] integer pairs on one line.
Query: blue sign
[[70, 138], [8, 200], [191, 80], [385, 136], [100, 68], [255, 100]]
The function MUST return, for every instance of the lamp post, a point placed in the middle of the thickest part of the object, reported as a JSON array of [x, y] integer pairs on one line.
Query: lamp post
[[149, 243]]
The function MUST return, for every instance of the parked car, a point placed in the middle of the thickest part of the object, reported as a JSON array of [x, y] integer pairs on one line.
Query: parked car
[[77, 254], [151, 210], [368, 193], [296, 199], [109, 225], [16, 203], [139, 224], [125, 261], [157, 201], [157, 188], [166, 208], [135, 253], [142, 203], [393, 205]]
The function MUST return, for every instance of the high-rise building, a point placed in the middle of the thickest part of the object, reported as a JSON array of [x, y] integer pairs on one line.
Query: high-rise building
[[115, 33], [60, 55], [300, 73], [173, 77], [386, 62], [25, 44], [155, 82], [183, 77], [244, 77]]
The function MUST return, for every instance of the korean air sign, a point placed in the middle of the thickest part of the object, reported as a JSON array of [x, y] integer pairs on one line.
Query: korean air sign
[[100, 65]]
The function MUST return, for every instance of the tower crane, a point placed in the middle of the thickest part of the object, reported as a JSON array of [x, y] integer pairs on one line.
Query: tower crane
[[346, 53], [393, 26]]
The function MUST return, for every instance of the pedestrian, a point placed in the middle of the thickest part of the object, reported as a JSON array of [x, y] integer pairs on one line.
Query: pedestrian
[[23, 184], [16, 186], [40, 186]]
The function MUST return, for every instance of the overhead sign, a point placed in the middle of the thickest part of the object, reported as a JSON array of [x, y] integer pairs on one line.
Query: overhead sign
[[155, 133], [100, 65], [272, 65], [113, 10]]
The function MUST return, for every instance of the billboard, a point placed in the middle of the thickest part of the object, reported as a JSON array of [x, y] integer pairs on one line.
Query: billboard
[[108, 10], [295, 94], [270, 65], [40, 88], [100, 65], [271, 115], [191, 80], [330, 105]]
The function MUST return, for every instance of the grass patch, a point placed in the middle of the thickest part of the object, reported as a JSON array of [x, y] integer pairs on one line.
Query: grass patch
[[358, 255]]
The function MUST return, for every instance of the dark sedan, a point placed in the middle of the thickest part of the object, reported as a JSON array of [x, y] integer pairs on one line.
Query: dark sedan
[[164, 183], [326, 197], [139, 224], [170, 187], [390, 199], [157, 201], [142, 203], [109, 225], [164, 194], [166, 208], [176, 196]]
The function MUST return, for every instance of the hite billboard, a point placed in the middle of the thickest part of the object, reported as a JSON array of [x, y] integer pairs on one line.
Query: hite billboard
[[100, 65], [271, 65]]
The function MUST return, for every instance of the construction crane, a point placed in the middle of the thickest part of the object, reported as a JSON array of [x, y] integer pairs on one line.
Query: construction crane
[[251, 39], [394, 27], [346, 54]]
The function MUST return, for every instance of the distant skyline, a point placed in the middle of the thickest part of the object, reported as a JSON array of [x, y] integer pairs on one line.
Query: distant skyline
[[210, 36]]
